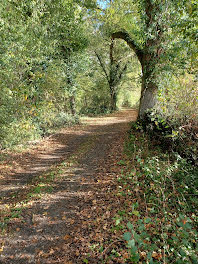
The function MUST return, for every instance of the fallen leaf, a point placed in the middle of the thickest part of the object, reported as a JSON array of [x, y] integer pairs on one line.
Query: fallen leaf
[[72, 222], [77, 253], [1, 249], [40, 253], [94, 201], [67, 237], [157, 256], [126, 255], [51, 251], [143, 254]]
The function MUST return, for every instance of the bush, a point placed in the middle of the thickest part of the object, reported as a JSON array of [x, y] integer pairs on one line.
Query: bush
[[19, 131], [171, 134], [47, 118], [64, 119], [42, 122]]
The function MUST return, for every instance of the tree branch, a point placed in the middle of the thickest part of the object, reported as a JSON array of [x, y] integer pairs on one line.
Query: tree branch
[[111, 52], [125, 36], [121, 73], [102, 65]]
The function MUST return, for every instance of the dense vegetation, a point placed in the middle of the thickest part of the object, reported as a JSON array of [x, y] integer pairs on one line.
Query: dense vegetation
[[61, 59]]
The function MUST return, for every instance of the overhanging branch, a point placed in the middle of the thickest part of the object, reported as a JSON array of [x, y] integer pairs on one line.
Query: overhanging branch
[[125, 36]]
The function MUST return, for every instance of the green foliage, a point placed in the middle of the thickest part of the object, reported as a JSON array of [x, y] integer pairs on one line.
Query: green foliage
[[178, 97], [46, 73], [172, 134], [93, 98], [173, 123], [36, 58], [162, 226], [18, 131]]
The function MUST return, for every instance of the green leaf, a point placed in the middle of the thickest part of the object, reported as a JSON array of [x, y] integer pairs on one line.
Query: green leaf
[[127, 236], [182, 253], [149, 256], [130, 226], [131, 243], [147, 220], [134, 251], [136, 213], [118, 221]]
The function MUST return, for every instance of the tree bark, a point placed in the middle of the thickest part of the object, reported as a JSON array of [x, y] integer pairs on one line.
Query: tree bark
[[148, 99], [72, 98], [72, 105], [113, 105]]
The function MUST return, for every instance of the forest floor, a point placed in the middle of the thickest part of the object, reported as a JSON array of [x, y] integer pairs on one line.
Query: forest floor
[[54, 197]]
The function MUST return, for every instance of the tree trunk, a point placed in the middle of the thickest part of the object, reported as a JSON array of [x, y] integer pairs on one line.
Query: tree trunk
[[72, 105], [149, 88], [113, 105], [148, 98]]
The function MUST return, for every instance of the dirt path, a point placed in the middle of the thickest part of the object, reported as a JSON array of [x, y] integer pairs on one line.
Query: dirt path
[[58, 184]]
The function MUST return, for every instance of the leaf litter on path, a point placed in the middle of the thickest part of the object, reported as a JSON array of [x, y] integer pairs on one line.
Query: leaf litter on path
[[65, 224]]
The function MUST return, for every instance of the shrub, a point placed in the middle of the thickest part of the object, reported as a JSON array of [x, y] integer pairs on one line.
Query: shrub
[[64, 119], [41, 122], [18, 131], [172, 134]]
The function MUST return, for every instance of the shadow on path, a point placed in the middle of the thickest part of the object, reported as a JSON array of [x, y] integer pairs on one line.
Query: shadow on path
[[48, 229]]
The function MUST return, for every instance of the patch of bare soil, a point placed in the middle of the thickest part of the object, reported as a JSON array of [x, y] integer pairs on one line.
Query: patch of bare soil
[[62, 225]]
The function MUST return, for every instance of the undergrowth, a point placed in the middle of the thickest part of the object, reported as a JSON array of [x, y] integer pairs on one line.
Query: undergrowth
[[158, 220], [43, 123], [178, 135]]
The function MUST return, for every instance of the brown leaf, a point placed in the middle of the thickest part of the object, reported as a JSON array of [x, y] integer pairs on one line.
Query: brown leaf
[[51, 251], [40, 253], [67, 237], [157, 256], [77, 253], [72, 222]]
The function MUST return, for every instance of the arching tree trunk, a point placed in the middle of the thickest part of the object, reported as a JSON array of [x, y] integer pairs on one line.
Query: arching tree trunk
[[149, 86], [148, 56]]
